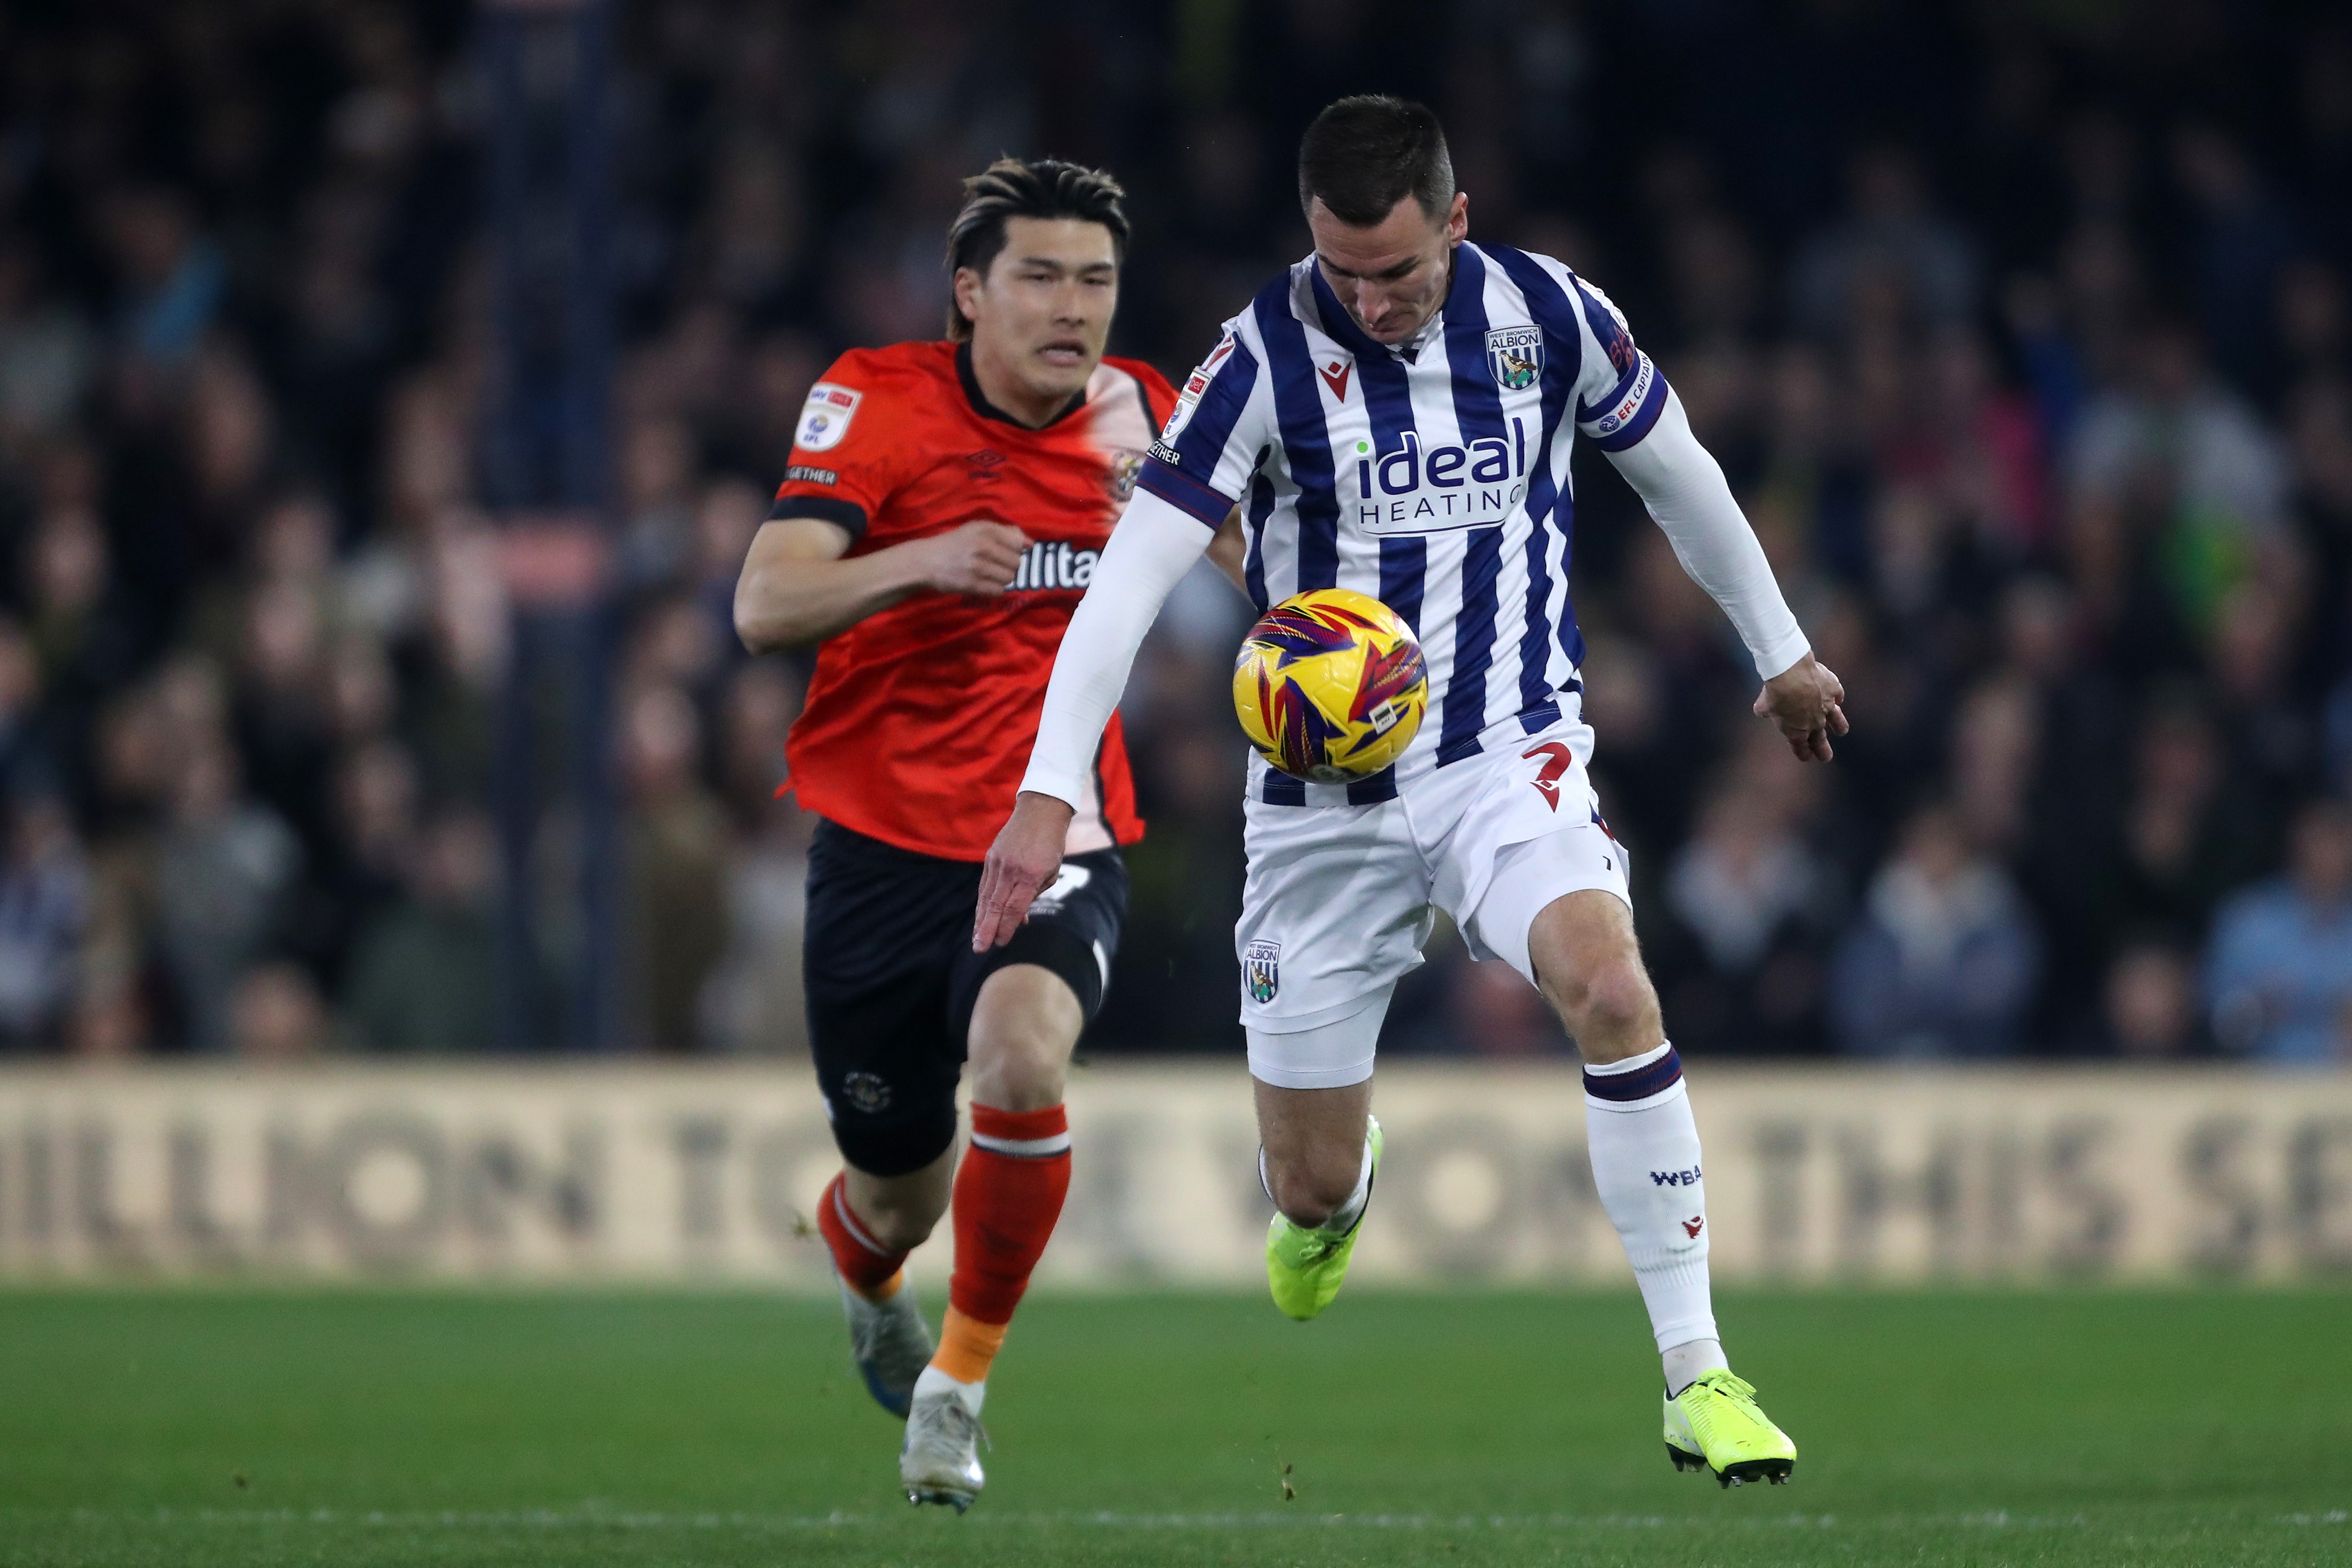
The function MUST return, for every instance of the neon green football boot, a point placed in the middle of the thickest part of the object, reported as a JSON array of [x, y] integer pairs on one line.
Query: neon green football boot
[[1303, 1267], [1714, 1425]]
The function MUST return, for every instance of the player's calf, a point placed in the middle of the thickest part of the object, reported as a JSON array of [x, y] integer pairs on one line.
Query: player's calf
[[1639, 1130], [1008, 1195], [1306, 1263], [889, 1340]]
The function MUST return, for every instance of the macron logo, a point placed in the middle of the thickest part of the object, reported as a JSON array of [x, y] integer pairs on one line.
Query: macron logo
[[1676, 1178]]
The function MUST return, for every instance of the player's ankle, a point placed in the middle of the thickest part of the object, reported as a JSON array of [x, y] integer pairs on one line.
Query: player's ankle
[[968, 1347], [880, 1292], [934, 1381], [1686, 1363]]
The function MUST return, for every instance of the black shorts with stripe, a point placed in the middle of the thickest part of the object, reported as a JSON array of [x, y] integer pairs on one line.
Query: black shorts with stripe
[[891, 980]]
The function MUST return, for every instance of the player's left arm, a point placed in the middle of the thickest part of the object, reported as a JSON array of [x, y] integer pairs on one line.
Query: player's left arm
[[1625, 407], [1684, 487]]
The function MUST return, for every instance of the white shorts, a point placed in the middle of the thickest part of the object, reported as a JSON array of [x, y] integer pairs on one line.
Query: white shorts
[[1340, 898]]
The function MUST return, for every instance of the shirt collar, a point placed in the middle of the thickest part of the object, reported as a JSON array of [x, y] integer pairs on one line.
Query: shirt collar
[[987, 410]]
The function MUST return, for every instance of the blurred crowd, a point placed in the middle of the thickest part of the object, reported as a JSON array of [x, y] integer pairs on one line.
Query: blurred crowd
[[2021, 329]]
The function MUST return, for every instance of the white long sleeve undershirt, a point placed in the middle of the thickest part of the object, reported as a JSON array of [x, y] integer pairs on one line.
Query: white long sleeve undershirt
[[1150, 551], [1681, 483], [1156, 544]]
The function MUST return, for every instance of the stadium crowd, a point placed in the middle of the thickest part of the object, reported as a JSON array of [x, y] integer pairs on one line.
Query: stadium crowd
[[2021, 329]]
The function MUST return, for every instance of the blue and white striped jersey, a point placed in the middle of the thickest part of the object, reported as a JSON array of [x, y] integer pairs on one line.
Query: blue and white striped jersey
[[1432, 475]]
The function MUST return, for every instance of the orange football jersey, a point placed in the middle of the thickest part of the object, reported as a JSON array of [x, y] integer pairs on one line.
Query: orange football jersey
[[920, 718]]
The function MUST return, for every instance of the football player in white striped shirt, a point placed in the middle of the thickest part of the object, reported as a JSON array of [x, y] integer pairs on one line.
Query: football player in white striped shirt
[[1394, 415]]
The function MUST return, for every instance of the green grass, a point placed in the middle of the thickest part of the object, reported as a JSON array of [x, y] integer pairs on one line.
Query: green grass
[[199, 1428]]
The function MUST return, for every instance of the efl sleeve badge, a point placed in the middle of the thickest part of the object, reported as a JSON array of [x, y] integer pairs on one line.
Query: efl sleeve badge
[[825, 418]]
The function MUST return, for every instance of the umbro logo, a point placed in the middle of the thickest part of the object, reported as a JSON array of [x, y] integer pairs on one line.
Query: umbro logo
[[1335, 376], [985, 458]]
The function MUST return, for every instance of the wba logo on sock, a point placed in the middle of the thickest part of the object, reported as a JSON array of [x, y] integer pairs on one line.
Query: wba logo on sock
[[1676, 1178]]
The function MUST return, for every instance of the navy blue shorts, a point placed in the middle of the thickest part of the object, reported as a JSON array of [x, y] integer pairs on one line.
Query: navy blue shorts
[[891, 980]]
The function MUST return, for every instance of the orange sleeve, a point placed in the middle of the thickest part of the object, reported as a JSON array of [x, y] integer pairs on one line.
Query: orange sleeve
[[1159, 396], [847, 452], [1159, 392]]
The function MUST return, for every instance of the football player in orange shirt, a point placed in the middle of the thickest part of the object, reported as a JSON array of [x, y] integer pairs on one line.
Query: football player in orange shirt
[[944, 512]]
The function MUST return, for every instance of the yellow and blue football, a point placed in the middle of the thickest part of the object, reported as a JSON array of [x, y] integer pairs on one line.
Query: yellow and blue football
[[1330, 686]]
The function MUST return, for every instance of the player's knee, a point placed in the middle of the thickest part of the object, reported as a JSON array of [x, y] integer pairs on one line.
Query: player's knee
[[899, 1226], [1022, 1027], [1310, 1189], [1021, 1081], [1611, 1010], [1019, 1071]]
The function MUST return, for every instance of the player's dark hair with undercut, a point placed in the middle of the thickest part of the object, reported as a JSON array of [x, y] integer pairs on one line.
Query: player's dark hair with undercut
[[1364, 155], [1027, 188]]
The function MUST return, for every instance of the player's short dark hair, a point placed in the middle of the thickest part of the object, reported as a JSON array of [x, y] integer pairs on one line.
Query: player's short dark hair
[[1027, 188], [1364, 155]]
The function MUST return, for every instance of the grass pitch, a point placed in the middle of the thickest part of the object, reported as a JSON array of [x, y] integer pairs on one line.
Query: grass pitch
[[199, 1428]]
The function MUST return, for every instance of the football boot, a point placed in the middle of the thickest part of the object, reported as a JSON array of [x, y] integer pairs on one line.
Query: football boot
[[940, 1461], [1715, 1425], [891, 1343]]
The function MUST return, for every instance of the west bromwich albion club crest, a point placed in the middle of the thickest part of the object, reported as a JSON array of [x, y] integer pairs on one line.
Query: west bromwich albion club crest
[[1515, 356], [1262, 971]]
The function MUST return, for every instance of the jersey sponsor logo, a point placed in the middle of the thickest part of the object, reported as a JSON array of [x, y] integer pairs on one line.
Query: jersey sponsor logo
[[1546, 782], [824, 419], [809, 474], [1424, 490], [1052, 566], [1335, 376], [1119, 472], [1676, 1178], [1629, 405], [1262, 971], [1515, 355]]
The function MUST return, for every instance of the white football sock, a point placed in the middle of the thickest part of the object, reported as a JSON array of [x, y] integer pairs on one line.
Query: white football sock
[[1686, 1364], [1343, 1219], [1646, 1164], [933, 1380]]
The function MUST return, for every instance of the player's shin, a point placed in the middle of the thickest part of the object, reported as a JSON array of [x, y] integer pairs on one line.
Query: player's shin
[[865, 1265], [1008, 1195], [1645, 1165]]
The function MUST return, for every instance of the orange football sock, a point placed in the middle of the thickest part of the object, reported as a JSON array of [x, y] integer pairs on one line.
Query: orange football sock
[[1008, 1194], [866, 1266], [968, 1347]]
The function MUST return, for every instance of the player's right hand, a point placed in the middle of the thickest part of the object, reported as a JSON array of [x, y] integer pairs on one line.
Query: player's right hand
[[1022, 864], [979, 558]]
